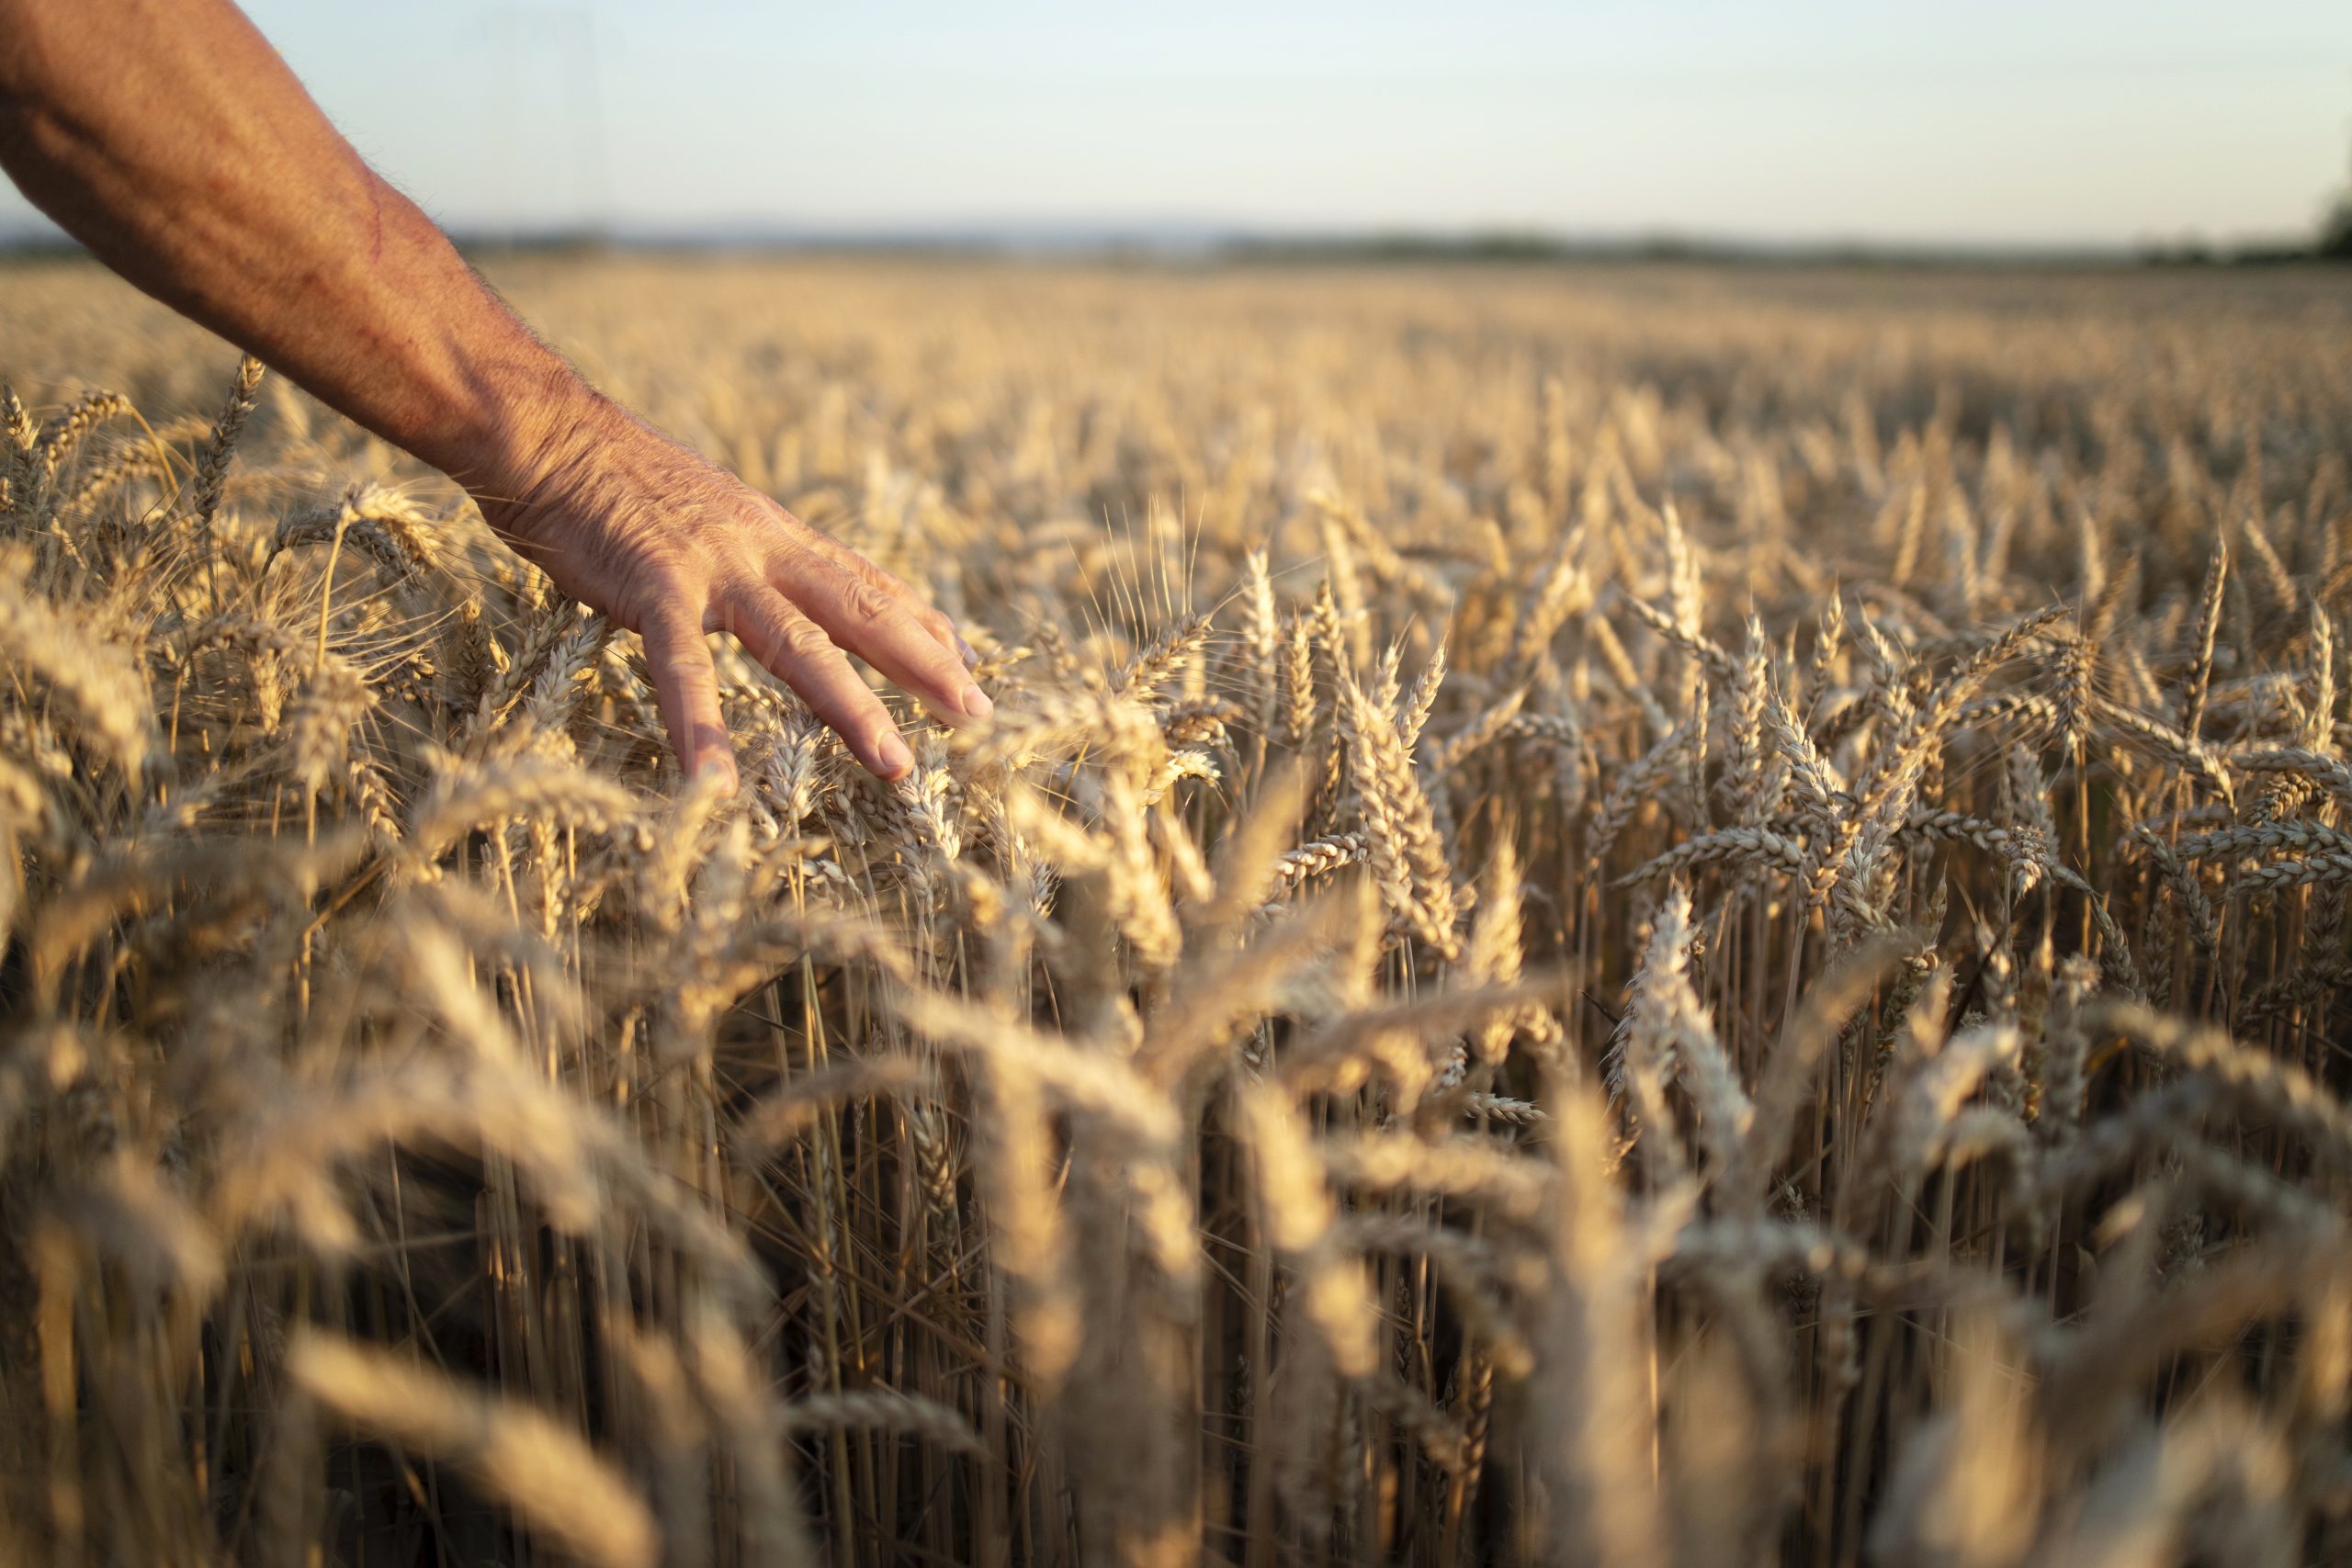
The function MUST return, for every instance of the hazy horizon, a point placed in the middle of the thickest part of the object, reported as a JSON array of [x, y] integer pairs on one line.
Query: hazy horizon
[[2079, 124]]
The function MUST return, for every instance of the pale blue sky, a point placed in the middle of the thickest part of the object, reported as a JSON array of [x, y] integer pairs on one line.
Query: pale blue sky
[[2060, 122]]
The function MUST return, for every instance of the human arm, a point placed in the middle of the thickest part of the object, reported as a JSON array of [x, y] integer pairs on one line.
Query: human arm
[[169, 138]]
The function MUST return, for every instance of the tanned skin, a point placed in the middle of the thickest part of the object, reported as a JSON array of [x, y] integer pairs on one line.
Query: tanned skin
[[169, 138]]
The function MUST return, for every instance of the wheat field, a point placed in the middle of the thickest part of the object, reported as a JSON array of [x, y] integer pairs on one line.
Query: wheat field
[[1610, 918]]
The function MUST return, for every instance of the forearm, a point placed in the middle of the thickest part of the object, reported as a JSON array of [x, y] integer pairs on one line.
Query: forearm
[[170, 139]]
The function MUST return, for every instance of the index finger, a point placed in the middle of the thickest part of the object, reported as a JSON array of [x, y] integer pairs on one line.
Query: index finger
[[860, 617], [911, 602]]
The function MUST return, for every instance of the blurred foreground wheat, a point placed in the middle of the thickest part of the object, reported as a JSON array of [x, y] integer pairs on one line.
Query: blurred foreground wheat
[[1644, 920]]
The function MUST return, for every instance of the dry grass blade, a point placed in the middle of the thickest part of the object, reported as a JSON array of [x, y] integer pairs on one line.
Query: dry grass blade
[[525, 1459]]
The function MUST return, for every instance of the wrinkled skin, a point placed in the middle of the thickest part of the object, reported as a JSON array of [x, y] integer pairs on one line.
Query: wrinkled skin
[[673, 546]]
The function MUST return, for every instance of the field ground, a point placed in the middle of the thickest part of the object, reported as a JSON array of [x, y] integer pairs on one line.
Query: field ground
[[1612, 915]]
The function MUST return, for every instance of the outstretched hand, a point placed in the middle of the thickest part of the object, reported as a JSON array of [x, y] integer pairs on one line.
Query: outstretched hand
[[672, 547]]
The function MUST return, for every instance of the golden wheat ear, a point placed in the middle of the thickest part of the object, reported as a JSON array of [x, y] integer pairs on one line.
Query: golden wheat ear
[[1647, 916]]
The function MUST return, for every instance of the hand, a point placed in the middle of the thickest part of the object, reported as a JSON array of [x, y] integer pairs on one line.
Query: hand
[[672, 547]]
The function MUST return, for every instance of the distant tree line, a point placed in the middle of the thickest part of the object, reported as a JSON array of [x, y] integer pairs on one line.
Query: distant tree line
[[2335, 241], [2335, 233]]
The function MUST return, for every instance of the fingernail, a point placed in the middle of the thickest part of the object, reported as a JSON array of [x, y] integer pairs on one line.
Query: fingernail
[[971, 655], [892, 753], [977, 704], [718, 770]]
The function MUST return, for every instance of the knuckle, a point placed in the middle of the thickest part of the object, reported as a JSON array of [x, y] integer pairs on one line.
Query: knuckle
[[666, 630], [792, 565], [787, 534], [904, 600], [866, 604], [736, 573], [936, 668], [803, 640], [663, 601], [685, 664]]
